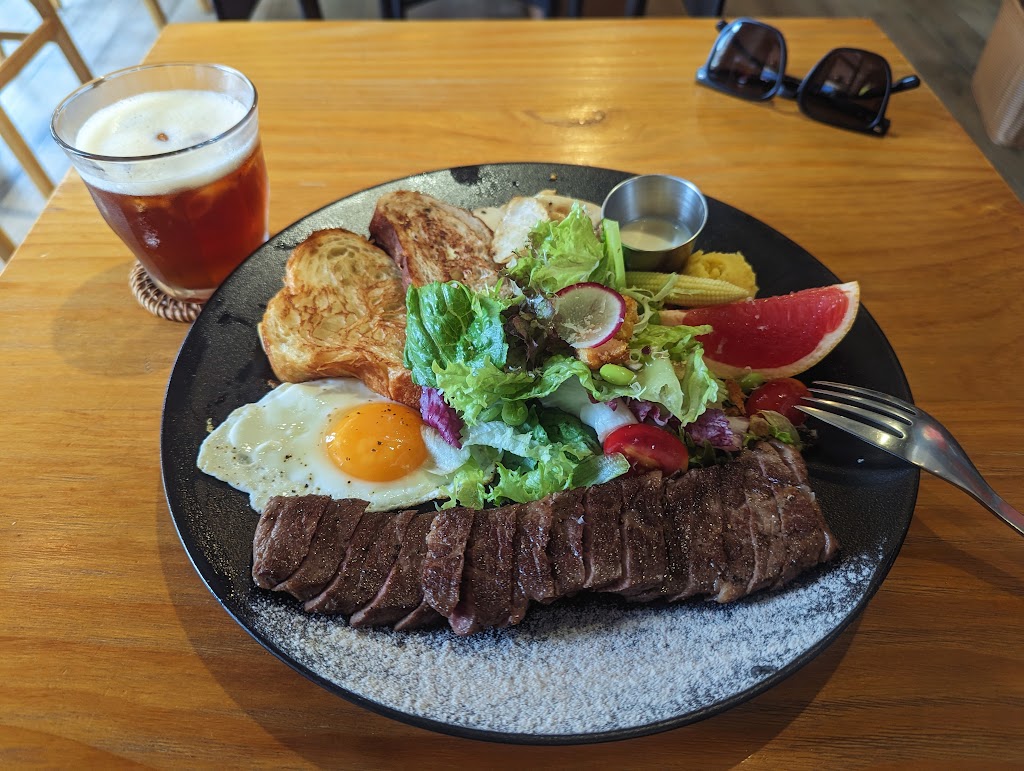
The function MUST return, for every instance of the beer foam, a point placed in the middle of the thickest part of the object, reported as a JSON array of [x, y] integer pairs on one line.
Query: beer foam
[[162, 122]]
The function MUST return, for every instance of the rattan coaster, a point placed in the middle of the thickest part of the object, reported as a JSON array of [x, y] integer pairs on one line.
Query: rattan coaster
[[154, 300]]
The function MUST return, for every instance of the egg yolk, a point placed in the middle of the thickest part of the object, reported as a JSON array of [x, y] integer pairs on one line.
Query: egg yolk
[[378, 442]]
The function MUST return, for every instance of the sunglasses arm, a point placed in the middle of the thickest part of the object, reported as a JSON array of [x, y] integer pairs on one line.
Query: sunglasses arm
[[905, 84]]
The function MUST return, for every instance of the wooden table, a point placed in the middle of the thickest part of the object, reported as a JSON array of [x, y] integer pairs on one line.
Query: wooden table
[[113, 651]]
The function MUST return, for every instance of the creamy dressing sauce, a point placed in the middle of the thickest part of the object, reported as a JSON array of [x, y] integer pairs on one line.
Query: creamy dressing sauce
[[651, 234]]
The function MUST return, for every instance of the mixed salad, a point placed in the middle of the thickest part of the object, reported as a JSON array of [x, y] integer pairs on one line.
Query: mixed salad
[[561, 375]]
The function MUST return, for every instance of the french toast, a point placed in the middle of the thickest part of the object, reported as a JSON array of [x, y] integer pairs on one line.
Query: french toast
[[431, 240], [341, 313]]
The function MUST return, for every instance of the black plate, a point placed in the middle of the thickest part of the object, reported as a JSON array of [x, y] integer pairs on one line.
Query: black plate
[[593, 669]]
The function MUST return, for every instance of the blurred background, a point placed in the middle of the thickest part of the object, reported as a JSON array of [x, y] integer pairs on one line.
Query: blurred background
[[942, 39]]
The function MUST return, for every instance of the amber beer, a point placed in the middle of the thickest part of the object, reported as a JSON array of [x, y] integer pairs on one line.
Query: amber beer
[[177, 173]]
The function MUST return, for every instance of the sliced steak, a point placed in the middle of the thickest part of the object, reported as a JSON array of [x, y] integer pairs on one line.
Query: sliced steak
[[520, 602], [330, 542], [343, 593], [565, 547], [738, 567], [283, 537], [533, 531], [643, 538], [706, 556], [795, 462], [485, 597], [377, 565], [805, 534], [424, 616], [677, 517], [765, 525], [402, 591], [602, 536], [442, 565]]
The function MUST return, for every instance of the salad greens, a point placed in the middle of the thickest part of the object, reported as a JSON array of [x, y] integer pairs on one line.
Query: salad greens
[[496, 360]]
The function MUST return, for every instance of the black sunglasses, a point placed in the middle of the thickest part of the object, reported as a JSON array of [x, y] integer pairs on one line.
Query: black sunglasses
[[848, 88]]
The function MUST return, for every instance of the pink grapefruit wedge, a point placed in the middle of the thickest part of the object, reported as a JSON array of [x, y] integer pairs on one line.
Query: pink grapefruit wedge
[[774, 336]]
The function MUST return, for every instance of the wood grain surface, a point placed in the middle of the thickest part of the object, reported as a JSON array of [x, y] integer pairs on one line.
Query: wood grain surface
[[113, 651]]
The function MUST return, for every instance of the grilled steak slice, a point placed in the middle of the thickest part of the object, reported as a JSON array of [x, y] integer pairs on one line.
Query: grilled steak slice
[[602, 538], [678, 499], [431, 240], [442, 565], [421, 618], [805, 534], [283, 537], [343, 593], [520, 602], [795, 462], [706, 556], [643, 540], [565, 548], [738, 567], [765, 526], [533, 531], [377, 565], [325, 553], [401, 592], [485, 597]]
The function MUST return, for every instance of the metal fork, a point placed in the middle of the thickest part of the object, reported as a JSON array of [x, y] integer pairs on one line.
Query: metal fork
[[907, 432]]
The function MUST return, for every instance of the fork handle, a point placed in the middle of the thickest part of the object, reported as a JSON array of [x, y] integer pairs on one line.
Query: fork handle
[[971, 481]]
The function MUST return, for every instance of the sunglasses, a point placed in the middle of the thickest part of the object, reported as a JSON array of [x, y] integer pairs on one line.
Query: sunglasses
[[849, 88]]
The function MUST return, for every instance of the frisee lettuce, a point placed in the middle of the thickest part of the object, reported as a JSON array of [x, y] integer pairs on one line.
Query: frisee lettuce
[[568, 252]]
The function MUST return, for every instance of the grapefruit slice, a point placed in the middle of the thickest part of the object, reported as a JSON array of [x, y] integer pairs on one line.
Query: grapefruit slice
[[774, 336]]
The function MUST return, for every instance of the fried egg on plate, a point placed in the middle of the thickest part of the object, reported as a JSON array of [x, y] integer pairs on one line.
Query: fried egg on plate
[[331, 437]]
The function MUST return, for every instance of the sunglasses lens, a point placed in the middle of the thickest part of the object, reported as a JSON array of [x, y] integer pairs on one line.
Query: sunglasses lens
[[747, 60], [848, 88]]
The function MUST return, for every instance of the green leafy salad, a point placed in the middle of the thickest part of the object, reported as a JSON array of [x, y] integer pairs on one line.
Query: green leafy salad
[[501, 374]]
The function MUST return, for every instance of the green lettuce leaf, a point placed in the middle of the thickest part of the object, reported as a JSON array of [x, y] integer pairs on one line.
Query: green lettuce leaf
[[565, 253], [450, 323], [598, 469]]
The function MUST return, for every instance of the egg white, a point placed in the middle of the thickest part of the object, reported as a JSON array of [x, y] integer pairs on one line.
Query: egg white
[[275, 447]]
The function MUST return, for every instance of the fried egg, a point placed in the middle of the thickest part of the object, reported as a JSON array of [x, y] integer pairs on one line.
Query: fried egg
[[331, 437]]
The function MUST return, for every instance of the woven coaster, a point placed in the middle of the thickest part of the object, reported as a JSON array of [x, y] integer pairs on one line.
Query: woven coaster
[[154, 300]]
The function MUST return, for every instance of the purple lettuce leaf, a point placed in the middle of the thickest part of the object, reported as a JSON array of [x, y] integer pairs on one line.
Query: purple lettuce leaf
[[437, 414], [713, 427]]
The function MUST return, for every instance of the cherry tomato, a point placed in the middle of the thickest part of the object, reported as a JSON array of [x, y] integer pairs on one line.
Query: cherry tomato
[[780, 395], [648, 448]]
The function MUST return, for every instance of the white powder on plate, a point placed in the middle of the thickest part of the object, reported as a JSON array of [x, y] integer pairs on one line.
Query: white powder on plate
[[591, 666]]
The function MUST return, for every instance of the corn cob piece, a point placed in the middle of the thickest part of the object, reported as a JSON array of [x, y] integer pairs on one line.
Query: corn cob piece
[[688, 291]]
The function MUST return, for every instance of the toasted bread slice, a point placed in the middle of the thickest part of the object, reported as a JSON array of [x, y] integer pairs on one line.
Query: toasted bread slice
[[431, 240], [341, 313]]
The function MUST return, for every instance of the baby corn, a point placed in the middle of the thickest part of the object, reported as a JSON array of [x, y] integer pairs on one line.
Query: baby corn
[[688, 291]]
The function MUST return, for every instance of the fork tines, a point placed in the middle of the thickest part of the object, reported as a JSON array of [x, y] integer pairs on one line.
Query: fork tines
[[850, 407]]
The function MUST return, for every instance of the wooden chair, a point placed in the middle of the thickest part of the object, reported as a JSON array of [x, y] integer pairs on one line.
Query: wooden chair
[[396, 9], [639, 7], [7, 247], [50, 30], [242, 9]]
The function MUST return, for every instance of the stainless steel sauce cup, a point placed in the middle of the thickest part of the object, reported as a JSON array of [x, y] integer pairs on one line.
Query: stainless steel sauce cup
[[660, 218]]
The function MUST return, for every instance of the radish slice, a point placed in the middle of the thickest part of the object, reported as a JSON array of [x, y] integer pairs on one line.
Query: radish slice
[[588, 314]]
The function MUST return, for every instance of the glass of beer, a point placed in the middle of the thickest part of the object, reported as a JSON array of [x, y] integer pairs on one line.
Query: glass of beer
[[171, 154]]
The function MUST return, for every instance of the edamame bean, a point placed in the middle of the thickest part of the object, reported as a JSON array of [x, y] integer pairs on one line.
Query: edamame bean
[[617, 375], [513, 413]]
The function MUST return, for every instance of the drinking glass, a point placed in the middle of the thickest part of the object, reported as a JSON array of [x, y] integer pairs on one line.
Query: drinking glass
[[171, 154]]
